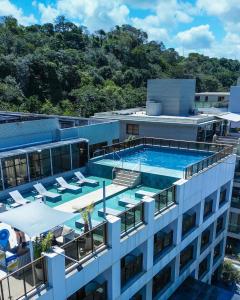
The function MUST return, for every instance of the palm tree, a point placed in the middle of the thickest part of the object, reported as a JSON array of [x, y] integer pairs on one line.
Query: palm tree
[[86, 215]]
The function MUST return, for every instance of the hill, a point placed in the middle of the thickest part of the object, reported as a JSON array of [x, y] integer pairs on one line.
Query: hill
[[62, 68]]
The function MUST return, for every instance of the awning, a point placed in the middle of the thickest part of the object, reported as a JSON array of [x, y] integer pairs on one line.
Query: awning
[[35, 218], [230, 117]]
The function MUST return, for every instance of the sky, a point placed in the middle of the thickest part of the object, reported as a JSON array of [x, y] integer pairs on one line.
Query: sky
[[209, 27]]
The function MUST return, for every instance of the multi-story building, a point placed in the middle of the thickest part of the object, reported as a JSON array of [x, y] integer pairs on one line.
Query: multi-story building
[[162, 220], [212, 99]]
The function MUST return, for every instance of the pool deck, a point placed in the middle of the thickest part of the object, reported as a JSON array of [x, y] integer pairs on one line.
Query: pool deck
[[90, 198]]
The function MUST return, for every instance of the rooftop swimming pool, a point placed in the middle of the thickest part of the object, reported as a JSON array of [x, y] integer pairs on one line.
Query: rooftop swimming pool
[[156, 160]]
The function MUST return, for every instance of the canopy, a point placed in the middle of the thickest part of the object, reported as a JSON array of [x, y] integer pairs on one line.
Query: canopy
[[35, 218], [230, 117]]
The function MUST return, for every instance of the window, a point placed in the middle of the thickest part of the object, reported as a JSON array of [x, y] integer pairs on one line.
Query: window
[[223, 195], [203, 267], [131, 265], [132, 129], [217, 251], [15, 170], [234, 223], [161, 280], [39, 164], [197, 98], [188, 223], [162, 241], [208, 205], [61, 160], [219, 227], [79, 154], [235, 202], [96, 147], [186, 256], [92, 291], [206, 98], [205, 239], [220, 98], [1, 182]]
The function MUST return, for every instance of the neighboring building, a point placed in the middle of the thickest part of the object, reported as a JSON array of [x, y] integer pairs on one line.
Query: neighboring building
[[234, 103], [212, 99]]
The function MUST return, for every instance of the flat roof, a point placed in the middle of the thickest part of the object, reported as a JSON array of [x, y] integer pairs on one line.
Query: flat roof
[[213, 94], [139, 114], [39, 147]]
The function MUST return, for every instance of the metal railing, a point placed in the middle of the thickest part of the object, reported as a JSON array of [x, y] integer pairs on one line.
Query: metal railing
[[24, 281], [165, 199], [86, 244], [132, 218], [234, 228]]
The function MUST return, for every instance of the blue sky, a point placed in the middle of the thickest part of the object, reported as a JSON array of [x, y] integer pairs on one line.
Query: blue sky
[[209, 27]]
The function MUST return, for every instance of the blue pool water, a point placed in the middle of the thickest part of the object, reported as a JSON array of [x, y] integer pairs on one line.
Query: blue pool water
[[169, 158]]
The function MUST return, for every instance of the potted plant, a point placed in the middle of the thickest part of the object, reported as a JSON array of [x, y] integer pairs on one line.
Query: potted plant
[[42, 245], [86, 215]]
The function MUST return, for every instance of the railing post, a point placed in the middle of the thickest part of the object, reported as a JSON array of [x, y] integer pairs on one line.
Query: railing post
[[56, 273]]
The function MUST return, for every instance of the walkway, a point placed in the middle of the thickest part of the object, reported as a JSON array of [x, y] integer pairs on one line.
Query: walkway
[[93, 197]]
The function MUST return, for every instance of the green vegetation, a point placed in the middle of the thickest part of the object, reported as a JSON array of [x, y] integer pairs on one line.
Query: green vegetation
[[61, 68], [230, 274]]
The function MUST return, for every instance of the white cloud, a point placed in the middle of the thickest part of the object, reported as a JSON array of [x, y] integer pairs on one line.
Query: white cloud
[[199, 37], [94, 14], [9, 9]]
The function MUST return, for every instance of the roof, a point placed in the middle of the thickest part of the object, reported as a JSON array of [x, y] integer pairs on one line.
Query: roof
[[230, 117], [35, 218], [213, 94], [41, 147]]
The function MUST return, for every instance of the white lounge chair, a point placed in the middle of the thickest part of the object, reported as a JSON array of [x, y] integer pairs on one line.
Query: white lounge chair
[[43, 192], [83, 180], [66, 186], [18, 198], [109, 211]]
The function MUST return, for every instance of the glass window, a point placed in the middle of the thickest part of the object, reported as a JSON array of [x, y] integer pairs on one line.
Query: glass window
[[197, 98], [131, 265], [93, 290], [132, 129], [162, 240], [186, 256], [79, 154], [205, 239], [1, 182], [188, 223], [95, 147], [234, 223], [223, 195], [61, 160], [15, 170], [161, 280], [208, 205], [217, 251], [39, 164], [203, 267], [219, 226], [206, 98]]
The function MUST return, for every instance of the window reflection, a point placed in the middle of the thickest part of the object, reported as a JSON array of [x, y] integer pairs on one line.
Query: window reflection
[[79, 154], [61, 159], [39, 164], [15, 170]]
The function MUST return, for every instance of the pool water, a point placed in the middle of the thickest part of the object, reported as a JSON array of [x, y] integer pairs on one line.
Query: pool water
[[169, 158]]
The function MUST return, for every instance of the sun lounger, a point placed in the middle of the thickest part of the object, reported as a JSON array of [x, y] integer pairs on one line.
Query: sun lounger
[[142, 194], [126, 201], [18, 198], [66, 186], [80, 223], [83, 180], [43, 192], [109, 211]]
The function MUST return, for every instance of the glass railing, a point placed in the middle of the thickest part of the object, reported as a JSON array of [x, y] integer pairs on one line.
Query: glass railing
[[165, 199], [24, 281], [84, 245], [235, 202], [132, 218]]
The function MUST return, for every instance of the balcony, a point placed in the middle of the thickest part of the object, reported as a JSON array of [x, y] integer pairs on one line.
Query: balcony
[[165, 199], [131, 265], [234, 228], [132, 218], [24, 281], [84, 246], [235, 201]]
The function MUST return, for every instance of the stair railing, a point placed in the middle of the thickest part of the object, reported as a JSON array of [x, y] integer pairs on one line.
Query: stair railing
[[120, 159]]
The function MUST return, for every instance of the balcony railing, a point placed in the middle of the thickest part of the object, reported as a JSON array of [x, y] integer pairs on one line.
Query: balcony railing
[[219, 151], [132, 218], [84, 245], [165, 199], [24, 281]]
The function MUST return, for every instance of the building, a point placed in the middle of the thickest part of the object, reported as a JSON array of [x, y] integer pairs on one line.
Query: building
[[156, 234], [34, 147], [212, 99]]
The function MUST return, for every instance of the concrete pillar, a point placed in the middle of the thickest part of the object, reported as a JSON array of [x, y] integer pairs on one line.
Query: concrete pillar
[[148, 291], [114, 277], [56, 273], [149, 209]]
